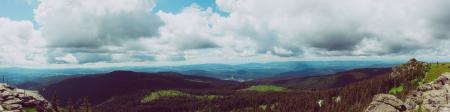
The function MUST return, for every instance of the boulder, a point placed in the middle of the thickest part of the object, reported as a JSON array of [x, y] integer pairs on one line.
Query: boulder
[[13, 107], [12, 101], [386, 103]]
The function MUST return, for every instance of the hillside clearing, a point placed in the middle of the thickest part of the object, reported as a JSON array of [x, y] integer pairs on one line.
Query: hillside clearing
[[265, 88], [174, 93]]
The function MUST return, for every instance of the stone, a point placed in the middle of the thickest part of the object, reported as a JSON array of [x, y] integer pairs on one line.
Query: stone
[[9, 97], [386, 103], [6, 94], [380, 107], [13, 107], [12, 101]]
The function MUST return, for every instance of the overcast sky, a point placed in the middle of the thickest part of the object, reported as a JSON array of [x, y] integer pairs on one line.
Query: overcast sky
[[149, 32]]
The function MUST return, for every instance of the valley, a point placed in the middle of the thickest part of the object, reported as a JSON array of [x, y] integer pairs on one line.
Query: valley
[[173, 92]]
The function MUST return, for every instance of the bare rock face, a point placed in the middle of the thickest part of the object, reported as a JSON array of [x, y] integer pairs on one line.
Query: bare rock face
[[431, 97], [386, 103], [15, 100]]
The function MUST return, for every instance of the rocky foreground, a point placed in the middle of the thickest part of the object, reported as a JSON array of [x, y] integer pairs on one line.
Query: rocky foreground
[[431, 97], [17, 100]]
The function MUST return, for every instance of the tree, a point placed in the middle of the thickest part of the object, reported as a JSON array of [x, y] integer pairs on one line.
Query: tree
[[55, 102], [69, 106], [85, 106]]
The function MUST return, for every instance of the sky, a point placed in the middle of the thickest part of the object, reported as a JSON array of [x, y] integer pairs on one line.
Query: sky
[[161, 32]]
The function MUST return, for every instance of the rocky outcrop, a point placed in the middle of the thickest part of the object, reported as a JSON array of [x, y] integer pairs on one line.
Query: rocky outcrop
[[411, 67], [431, 97], [386, 103], [16, 100]]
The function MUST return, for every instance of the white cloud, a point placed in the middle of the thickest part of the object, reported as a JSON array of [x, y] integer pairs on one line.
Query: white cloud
[[323, 27], [122, 31], [95, 23], [68, 58], [95, 26], [304, 28], [20, 44]]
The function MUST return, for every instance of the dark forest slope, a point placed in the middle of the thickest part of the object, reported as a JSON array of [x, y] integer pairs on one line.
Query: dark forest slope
[[99, 88], [326, 81]]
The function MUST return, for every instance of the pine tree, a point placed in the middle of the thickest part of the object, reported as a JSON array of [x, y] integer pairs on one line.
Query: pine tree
[[54, 102], [85, 106], [69, 106]]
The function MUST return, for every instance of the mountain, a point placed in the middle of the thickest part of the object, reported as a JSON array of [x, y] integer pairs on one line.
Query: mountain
[[325, 81], [45, 81], [101, 87], [241, 72]]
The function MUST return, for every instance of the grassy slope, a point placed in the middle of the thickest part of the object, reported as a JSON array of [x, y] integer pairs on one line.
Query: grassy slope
[[173, 93], [265, 88], [436, 70], [162, 93]]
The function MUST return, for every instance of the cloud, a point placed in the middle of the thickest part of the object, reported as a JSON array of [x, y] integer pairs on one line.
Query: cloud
[[92, 30], [20, 44], [96, 23], [120, 31], [188, 30], [67, 59], [299, 28], [349, 27]]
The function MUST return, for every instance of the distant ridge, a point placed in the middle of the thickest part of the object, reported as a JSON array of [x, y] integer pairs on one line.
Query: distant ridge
[[325, 81], [101, 87]]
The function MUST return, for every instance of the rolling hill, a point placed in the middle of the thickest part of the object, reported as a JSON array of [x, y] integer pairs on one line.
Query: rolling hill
[[101, 87], [326, 81]]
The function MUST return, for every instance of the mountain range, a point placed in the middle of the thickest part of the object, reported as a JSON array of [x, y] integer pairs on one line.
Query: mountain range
[[238, 72]]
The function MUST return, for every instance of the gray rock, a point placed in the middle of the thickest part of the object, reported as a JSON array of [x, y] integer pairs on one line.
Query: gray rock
[[386, 103], [13, 107], [12, 101]]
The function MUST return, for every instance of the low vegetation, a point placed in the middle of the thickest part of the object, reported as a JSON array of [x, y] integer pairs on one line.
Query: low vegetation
[[30, 110], [436, 69], [265, 88], [173, 93], [162, 93], [395, 90]]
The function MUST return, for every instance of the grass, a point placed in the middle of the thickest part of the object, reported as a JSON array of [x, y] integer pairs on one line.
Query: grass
[[162, 93], [265, 88], [174, 93], [436, 70], [30, 110], [396, 90]]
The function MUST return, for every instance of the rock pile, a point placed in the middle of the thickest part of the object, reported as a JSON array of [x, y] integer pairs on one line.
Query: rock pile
[[431, 97], [411, 67], [16, 100]]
